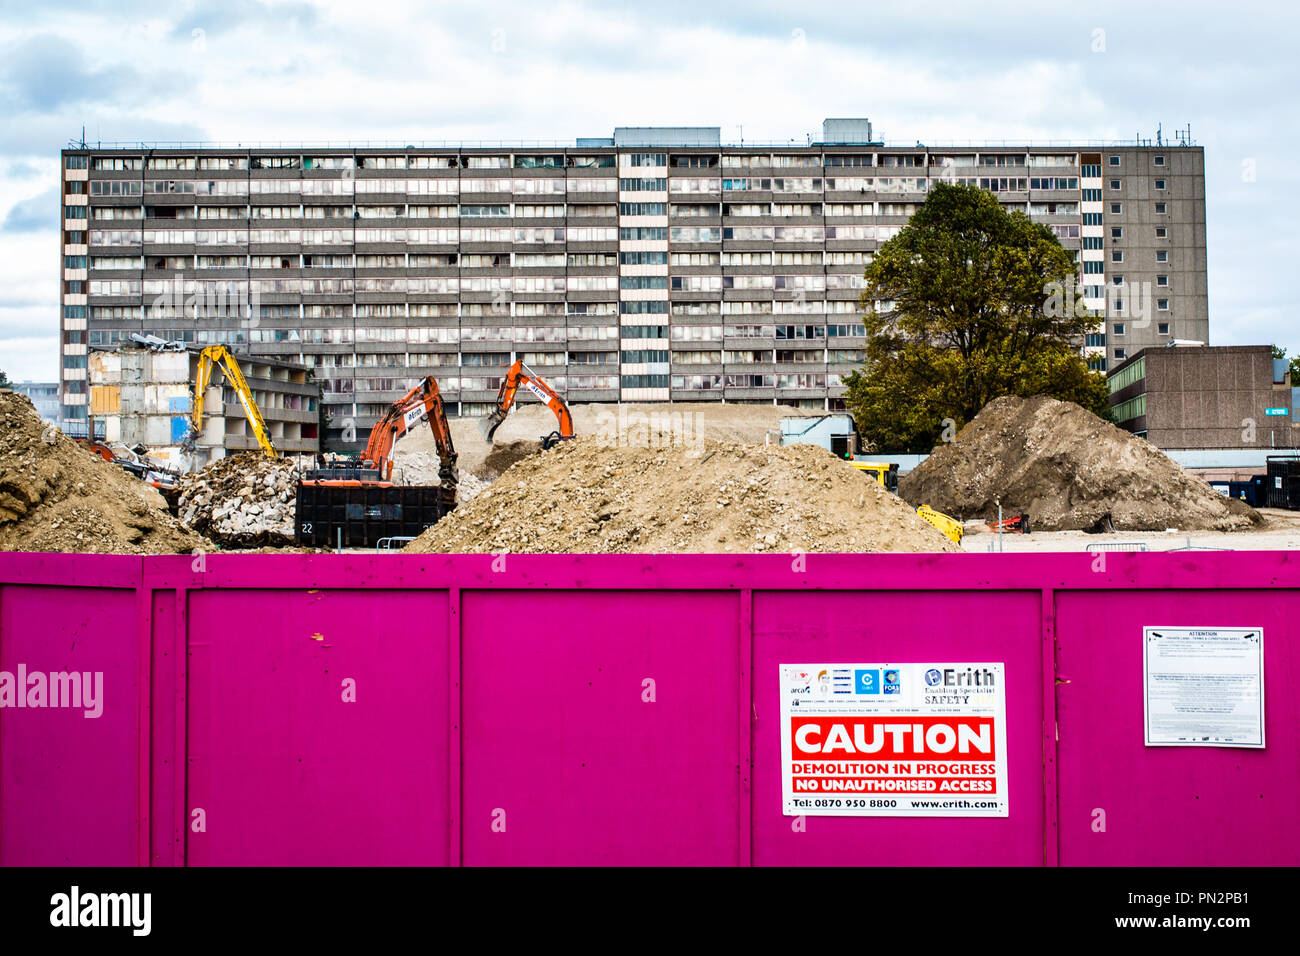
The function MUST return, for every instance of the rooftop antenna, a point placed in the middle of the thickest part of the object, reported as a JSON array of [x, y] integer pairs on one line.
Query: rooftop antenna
[[1159, 127]]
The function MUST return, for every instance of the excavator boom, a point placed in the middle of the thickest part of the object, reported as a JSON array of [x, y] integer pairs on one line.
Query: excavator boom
[[424, 401], [518, 375], [219, 354]]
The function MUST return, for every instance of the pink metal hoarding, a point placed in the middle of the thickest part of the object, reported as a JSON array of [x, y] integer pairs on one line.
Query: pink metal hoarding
[[615, 709]]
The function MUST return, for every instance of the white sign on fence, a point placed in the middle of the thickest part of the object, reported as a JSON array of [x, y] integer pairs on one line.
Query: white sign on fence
[[1203, 687]]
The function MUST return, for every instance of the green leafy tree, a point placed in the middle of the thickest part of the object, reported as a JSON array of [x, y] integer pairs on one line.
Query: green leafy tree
[[981, 303], [4, 379]]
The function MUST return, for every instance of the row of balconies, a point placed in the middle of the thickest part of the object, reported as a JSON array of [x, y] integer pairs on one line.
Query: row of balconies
[[479, 198], [402, 272], [272, 413]]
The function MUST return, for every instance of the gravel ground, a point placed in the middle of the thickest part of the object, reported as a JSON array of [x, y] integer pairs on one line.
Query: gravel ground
[[1279, 532]]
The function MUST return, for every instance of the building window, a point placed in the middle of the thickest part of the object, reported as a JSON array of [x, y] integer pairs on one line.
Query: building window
[[1118, 328], [1119, 305], [1160, 184], [1116, 256], [1160, 160], [1162, 255], [1114, 160], [1160, 209], [1162, 280], [1116, 280], [1162, 232], [1162, 328], [1162, 305], [1114, 184], [1116, 208], [1121, 353], [1117, 232]]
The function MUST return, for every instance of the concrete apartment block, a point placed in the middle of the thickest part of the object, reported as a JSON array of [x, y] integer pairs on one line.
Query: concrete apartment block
[[44, 396], [656, 264], [1155, 246]]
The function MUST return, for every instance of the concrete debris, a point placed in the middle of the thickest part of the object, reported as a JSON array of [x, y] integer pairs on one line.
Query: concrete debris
[[469, 487], [713, 496], [241, 501], [55, 495], [1069, 471]]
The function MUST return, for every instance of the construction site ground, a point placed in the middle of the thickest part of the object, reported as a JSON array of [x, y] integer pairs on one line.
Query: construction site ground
[[1280, 531]]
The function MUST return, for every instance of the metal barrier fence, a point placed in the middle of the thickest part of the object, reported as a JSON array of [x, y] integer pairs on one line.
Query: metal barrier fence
[[408, 709]]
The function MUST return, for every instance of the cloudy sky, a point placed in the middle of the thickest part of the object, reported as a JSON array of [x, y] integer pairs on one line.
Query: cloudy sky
[[244, 71]]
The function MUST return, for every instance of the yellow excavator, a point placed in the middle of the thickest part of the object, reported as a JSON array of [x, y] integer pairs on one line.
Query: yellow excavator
[[886, 473], [219, 354]]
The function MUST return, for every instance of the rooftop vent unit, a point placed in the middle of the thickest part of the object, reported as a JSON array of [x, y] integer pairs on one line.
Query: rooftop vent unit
[[847, 132], [668, 136]]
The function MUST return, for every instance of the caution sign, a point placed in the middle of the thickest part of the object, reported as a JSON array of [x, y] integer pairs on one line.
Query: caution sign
[[883, 740]]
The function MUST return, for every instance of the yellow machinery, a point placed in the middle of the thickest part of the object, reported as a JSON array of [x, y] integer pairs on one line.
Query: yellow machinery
[[886, 473], [219, 353], [948, 525]]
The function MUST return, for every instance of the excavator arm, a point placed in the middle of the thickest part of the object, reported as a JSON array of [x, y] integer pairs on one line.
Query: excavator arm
[[210, 356], [520, 374], [422, 401]]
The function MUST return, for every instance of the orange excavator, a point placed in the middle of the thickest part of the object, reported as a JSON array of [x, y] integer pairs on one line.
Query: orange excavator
[[520, 374], [424, 401]]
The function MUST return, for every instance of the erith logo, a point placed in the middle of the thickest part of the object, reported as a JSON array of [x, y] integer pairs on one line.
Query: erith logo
[[102, 909], [887, 737]]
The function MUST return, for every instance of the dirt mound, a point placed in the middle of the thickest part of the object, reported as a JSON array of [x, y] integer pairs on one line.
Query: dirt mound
[[57, 496], [1069, 471], [504, 454], [630, 424], [241, 501], [585, 497]]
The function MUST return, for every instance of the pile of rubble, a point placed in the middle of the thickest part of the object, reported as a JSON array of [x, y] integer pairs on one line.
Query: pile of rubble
[[241, 501], [57, 496], [584, 496], [1069, 471]]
